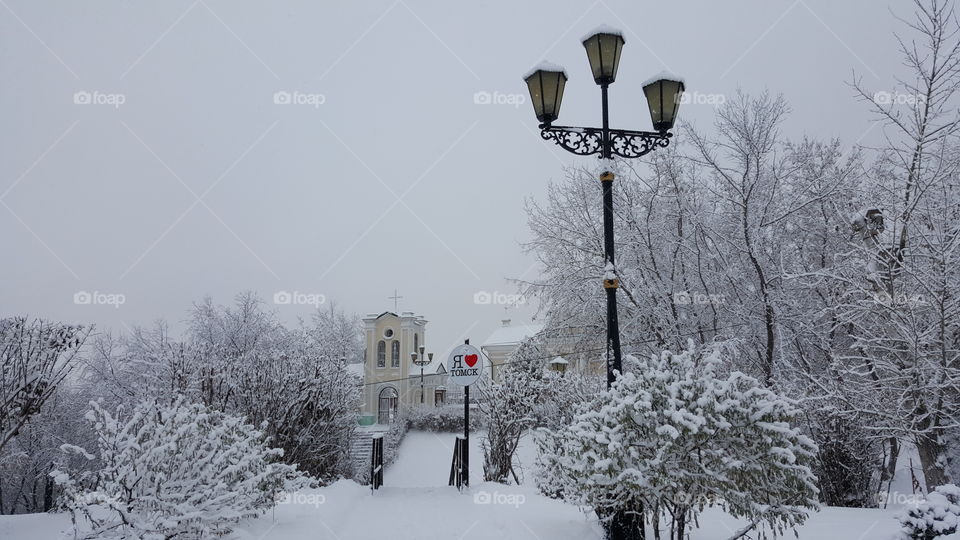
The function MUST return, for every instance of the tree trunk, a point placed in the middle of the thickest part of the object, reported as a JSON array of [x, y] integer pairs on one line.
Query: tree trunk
[[931, 451], [48, 490]]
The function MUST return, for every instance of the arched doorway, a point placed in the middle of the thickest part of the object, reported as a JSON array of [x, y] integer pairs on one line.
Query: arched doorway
[[387, 410]]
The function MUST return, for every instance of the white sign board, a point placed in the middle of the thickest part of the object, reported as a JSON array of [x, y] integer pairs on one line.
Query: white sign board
[[465, 365]]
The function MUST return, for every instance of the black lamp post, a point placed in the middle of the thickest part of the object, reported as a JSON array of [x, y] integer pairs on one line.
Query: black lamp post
[[420, 360], [546, 83]]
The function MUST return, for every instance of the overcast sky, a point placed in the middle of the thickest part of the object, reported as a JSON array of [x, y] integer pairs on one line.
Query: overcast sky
[[143, 152]]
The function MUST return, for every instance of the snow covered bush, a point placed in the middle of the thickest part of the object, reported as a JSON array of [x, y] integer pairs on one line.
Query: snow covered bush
[[937, 516], [508, 412], [847, 458], [447, 418], [676, 436], [178, 471]]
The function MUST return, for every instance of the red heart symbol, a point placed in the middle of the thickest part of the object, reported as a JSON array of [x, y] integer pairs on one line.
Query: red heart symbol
[[470, 359]]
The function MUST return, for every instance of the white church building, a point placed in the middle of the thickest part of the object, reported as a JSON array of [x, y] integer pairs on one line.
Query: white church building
[[391, 379]]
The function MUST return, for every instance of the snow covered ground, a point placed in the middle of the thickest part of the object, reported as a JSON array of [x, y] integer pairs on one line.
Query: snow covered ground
[[416, 503]]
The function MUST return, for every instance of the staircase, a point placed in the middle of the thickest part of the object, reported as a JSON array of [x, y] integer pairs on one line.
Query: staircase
[[360, 448]]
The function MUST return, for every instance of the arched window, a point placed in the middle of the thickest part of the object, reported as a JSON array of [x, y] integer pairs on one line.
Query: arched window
[[416, 342], [381, 354], [394, 353]]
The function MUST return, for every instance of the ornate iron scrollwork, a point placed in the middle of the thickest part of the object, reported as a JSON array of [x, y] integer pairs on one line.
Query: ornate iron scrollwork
[[580, 141], [631, 144], [588, 141]]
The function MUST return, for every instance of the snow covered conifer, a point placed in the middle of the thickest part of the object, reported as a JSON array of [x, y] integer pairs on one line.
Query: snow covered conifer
[[179, 471], [937, 516], [675, 437]]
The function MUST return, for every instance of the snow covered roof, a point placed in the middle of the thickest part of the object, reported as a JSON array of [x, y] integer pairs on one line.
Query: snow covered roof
[[512, 334], [602, 29], [545, 66], [664, 75], [559, 361], [403, 315]]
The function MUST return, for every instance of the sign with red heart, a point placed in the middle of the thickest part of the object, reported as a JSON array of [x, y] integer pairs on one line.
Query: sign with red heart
[[465, 365]]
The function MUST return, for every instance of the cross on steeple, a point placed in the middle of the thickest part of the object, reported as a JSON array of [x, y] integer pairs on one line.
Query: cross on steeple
[[396, 297]]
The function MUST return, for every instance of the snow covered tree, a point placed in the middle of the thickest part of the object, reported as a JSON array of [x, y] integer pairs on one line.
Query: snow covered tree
[[508, 412], [174, 471], [526, 395], [903, 314], [240, 360], [35, 357], [338, 333], [26, 462], [677, 436]]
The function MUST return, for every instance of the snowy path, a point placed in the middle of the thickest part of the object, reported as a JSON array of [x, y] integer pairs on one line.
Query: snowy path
[[425, 459]]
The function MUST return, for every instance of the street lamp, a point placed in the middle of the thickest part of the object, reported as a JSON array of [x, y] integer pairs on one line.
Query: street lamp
[[546, 91], [603, 51], [546, 83], [420, 360]]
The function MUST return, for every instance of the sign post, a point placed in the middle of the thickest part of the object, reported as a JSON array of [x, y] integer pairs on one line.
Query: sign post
[[464, 367]]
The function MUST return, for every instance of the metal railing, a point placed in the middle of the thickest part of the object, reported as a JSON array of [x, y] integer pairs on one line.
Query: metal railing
[[461, 464], [376, 462]]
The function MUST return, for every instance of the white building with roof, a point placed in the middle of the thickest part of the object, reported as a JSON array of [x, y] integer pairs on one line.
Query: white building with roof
[[504, 341]]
